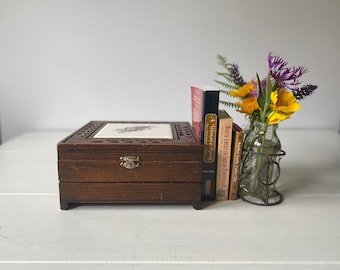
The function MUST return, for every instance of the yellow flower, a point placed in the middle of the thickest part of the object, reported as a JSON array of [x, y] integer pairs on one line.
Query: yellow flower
[[248, 105], [275, 117], [283, 105], [284, 102], [243, 91]]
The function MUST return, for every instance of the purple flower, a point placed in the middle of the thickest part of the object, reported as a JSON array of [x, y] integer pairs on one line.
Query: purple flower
[[263, 84], [255, 91], [286, 77], [235, 75], [304, 91]]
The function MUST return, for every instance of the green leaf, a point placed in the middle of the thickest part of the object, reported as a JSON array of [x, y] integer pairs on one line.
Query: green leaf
[[224, 75], [261, 99], [226, 92], [229, 104], [222, 61], [225, 84], [269, 88], [226, 81]]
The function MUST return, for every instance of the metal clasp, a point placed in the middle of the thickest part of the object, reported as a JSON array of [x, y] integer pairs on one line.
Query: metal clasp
[[129, 162]]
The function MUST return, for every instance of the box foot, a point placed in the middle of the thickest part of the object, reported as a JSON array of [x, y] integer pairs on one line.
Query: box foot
[[197, 205], [64, 205]]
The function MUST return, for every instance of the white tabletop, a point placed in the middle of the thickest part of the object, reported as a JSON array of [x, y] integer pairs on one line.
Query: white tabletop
[[301, 233]]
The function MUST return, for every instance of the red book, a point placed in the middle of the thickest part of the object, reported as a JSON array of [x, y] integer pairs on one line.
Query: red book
[[197, 110]]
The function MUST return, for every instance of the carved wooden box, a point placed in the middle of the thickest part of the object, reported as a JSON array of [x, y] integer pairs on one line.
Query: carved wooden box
[[130, 162]]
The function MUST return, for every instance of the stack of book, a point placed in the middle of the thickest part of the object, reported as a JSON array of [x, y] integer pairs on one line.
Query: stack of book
[[222, 139]]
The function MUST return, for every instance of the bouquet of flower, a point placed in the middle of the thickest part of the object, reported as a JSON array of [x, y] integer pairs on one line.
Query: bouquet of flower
[[269, 100], [266, 102]]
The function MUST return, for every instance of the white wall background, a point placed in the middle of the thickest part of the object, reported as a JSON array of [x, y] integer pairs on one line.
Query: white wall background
[[66, 62]]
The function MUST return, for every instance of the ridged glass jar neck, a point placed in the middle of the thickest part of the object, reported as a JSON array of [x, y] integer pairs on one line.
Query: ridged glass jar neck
[[262, 138]]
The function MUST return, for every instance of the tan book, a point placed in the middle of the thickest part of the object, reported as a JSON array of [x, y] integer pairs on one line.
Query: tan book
[[236, 153], [225, 126]]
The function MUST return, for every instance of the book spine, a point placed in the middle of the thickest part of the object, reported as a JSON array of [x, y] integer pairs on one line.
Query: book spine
[[237, 146], [223, 157], [196, 110], [209, 140]]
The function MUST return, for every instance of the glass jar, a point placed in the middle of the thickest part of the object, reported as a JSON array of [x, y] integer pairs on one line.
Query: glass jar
[[260, 168]]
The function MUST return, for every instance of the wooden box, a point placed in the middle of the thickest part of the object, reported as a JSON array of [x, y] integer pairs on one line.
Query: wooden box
[[130, 162]]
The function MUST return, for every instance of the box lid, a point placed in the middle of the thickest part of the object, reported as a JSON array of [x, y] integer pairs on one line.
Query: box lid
[[108, 136]]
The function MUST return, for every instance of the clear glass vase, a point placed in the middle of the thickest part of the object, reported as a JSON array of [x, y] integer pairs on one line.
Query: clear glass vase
[[260, 169]]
